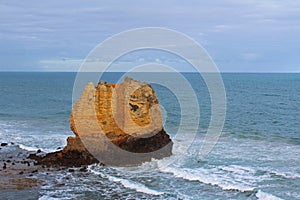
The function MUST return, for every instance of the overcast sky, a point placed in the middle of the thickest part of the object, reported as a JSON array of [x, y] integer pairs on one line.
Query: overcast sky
[[240, 35]]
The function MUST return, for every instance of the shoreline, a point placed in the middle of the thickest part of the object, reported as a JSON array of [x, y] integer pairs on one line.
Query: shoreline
[[19, 173]]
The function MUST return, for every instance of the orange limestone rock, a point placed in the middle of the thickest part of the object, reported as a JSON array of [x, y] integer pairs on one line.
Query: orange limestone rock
[[115, 124]]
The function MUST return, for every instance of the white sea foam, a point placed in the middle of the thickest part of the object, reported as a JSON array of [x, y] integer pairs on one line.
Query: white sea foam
[[28, 148], [134, 185], [48, 192], [210, 177], [61, 195], [288, 175], [238, 169], [242, 170], [46, 197], [127, 183], [266, 196]]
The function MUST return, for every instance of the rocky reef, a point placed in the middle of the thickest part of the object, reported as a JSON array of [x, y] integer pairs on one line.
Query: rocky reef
[[114, 124]]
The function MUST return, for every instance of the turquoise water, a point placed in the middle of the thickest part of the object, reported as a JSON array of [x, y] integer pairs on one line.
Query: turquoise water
[[256, 157]]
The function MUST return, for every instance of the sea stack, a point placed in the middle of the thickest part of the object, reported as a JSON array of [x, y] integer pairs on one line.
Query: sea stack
[[114, 124]]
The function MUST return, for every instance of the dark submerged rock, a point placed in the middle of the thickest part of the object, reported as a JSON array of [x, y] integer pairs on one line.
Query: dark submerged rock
[[4, 144]]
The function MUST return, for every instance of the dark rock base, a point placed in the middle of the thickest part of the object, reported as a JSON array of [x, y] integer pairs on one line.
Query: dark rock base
[[76, 155]]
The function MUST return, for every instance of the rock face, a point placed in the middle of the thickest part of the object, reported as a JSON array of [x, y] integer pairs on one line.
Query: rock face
[[115, 124]]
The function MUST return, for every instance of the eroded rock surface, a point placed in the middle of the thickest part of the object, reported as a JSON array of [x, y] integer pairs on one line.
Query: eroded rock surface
[[115, 124]]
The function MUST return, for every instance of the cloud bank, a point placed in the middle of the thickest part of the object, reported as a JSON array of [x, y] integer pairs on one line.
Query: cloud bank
[[242, 36]]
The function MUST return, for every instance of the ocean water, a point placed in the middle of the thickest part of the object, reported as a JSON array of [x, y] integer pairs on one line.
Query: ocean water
[[256, 157]]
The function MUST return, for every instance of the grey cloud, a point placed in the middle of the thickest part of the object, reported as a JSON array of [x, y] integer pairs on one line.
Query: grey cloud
[[229, 28]]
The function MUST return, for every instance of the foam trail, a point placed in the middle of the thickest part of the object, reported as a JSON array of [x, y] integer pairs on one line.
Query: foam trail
[[45, 197], [133, 185], [266, 196], [28, 148], [128, 184], [207, 177], [288, 175]]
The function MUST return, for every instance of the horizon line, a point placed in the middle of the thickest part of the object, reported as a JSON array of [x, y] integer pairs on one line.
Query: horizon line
[[240, 72]]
